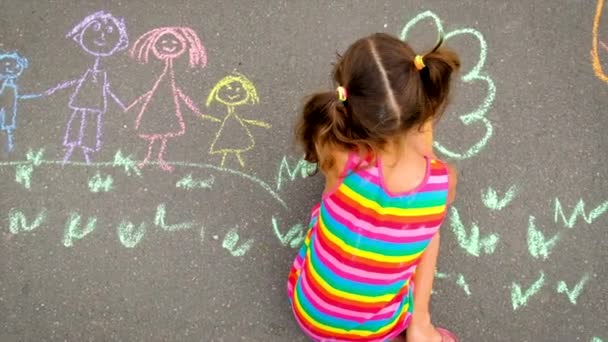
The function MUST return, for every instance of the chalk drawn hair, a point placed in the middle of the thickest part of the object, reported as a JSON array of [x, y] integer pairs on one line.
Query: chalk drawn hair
[[141, 49], [78, 30], [16, 56], [252, 93]]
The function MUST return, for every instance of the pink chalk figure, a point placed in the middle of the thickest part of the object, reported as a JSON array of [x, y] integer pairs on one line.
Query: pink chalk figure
[[100, 35], [160, 117]]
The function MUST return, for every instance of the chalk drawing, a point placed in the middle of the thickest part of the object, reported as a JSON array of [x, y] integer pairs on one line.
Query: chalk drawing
[[579, 210], [491, 201], [293, 237], [519, 299], [129, 235], [573, 294], [441, 275], [74, 231], [160, 116], [302, 168], [538, 245], [12, 65], [463, 284], [232, 239], [127, 163], [120, 161], [234, 136], [475, 75], [98, 183], [100, 35], [190, 183], [23, 172], [595, 57], [471, 241], [202, 234], [23, 175], [18, 221], [596, 339], [159, 220], [460, 281]]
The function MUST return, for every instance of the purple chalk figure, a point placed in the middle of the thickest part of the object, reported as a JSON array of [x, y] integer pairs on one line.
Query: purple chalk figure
[[100, 35], [11, 66]]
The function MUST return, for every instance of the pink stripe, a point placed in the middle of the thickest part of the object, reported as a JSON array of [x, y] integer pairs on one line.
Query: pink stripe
[[434, 187], [362, 275], [376, 232], [438, 179]]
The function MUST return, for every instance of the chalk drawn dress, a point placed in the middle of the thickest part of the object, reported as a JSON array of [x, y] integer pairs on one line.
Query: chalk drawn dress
[[160, 115], [353, 277], [89, 102], [233, 136]]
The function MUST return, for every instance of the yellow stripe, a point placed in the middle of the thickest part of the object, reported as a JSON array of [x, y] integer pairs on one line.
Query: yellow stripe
[[348, 192], [338, 293], [365, 254], [329, 329]]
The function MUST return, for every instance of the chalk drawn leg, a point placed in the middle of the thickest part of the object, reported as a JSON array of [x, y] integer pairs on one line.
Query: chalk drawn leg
[[147, 158], [161, 161], [240, 158], [10, 141], [83, 131], [223, 159]]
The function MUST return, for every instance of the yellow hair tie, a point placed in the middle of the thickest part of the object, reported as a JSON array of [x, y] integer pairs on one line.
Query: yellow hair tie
[[419, 63], [341, 93]]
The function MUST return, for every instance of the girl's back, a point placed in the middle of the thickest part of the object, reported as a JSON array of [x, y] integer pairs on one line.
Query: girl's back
[[356, 266]]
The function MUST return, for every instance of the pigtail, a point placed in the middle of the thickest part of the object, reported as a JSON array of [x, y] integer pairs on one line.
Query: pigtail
[[315, 129], [435, 77]]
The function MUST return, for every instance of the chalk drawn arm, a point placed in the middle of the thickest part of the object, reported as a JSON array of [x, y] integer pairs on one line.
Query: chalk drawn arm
[[257, 123], [188, 101], [138, 100], [60, 86], [116, 99], [30, 96]]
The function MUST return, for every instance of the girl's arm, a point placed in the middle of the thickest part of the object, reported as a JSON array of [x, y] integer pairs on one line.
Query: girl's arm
[[188, 101], [256, 123], [420, 326]]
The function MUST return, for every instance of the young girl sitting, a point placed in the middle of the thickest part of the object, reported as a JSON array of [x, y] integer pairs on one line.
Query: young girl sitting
[[366, 268]]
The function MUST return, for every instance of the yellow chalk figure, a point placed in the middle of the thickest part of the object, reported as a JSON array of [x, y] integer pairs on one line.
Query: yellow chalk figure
[[234, 136]]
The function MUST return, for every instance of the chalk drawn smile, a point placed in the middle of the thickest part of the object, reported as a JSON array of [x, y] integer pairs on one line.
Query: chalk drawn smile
[[98, 43], [169, 45]]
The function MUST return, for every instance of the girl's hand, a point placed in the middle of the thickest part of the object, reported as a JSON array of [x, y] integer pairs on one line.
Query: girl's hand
[[422, 332]]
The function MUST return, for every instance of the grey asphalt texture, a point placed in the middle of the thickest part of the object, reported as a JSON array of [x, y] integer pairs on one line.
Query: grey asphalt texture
[[183, 283]]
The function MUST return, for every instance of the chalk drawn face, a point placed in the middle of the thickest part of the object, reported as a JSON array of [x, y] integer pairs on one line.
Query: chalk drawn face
[[169, 45], [233, 94], [10, 67], [101, 37]]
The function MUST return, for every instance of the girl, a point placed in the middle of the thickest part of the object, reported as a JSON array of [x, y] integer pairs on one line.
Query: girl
[[160, 117], [233, 91], [99, 35], [366, 268]]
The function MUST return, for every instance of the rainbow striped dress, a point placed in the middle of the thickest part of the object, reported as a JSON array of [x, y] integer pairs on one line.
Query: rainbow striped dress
[[353, 277]]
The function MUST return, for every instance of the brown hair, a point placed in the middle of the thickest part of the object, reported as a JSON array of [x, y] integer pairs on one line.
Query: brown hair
[[387, 95]]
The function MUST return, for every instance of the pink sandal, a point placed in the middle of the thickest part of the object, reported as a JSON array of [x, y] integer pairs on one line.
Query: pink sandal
[[446, 335]]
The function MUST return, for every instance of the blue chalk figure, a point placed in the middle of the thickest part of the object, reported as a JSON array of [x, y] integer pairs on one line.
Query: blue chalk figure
[[12, 65]]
